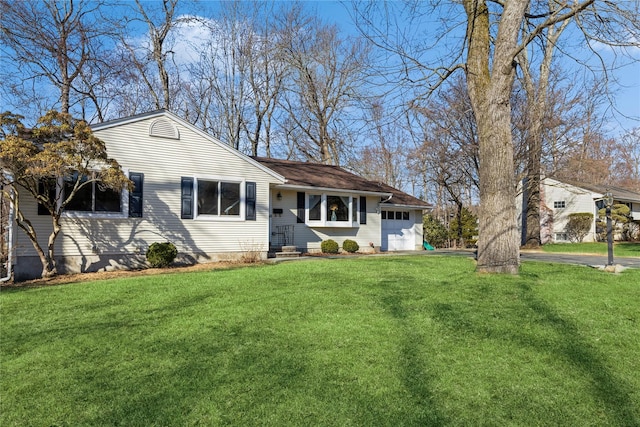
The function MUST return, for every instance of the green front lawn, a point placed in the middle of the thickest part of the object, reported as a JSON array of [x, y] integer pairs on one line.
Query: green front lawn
[[370, 341], [623, 249]]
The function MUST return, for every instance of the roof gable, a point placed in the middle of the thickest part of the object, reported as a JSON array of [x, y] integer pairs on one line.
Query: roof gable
[[619, 193], [163, 125], [321, 176]]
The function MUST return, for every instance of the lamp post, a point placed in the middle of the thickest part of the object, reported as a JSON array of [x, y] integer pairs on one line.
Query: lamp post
[[608, 200]]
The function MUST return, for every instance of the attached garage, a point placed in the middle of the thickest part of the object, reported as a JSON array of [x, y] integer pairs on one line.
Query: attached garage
[[398, 230]]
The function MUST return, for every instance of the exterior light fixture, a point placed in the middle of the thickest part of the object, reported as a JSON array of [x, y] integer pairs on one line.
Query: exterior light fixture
[[279, 196]]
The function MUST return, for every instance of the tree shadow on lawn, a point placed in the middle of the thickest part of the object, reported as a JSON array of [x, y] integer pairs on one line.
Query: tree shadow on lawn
[[222, 370], [613, 392], [415, 368], [564, 343]]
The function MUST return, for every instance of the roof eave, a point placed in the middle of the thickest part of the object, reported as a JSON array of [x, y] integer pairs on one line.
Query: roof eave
[[402, 206], [337, 190]]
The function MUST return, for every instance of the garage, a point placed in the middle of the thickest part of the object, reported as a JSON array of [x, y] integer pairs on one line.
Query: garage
[[397, 231]]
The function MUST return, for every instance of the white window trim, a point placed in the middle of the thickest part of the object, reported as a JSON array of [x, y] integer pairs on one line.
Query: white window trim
[[222, 218], [563, 234], [124, 205], [403, 211], [324, 222]]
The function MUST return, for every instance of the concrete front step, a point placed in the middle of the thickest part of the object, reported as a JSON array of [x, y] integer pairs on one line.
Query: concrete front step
[[288, 254]]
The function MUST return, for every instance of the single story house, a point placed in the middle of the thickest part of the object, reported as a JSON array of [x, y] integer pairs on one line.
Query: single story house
[[214, 203], [559, 199], [319, 202]]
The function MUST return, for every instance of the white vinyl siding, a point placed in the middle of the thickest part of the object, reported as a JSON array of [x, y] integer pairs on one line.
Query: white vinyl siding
[[163, 162], [309, 238], [566, 199]]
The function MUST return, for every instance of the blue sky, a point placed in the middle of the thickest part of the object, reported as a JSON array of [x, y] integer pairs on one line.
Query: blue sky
[[625, 94]]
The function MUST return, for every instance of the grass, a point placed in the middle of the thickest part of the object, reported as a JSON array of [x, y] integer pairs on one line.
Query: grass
[[620, 249], [374, 341]]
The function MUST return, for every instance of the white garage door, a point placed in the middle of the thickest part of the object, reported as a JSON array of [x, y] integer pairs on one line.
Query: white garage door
[[397, 231]]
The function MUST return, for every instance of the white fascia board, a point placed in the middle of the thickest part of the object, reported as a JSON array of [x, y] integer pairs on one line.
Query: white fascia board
[[416, 207], [332, 190], [203, 134]]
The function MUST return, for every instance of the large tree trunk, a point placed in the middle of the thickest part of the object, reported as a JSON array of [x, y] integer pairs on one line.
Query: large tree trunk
[[498, 243], [490, 82]]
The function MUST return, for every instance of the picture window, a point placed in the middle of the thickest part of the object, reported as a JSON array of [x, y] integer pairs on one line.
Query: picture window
[[331, 210], [217, 198], [92, 196]]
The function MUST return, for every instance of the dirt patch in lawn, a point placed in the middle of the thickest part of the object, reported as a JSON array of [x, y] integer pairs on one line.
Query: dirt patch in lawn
[[105, 275]]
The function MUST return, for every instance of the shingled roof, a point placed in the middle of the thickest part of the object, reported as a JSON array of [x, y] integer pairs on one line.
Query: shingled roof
[[619, 193], [316, 175]]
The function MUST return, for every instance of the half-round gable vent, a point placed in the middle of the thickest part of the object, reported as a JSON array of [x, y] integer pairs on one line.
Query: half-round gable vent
[[164, 128]]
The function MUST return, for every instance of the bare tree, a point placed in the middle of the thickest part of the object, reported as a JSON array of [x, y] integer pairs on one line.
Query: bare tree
[[488, 55], [325, 80], [51, 43], [628, 160], [147, 64], [266, 75], [450, 151], [537, 91], [384, 158]]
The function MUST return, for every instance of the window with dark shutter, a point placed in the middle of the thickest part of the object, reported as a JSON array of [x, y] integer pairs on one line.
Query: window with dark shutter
[[46, 185], [251, 201], [186, 211], [135, 195], [301, 216], [363, 210]]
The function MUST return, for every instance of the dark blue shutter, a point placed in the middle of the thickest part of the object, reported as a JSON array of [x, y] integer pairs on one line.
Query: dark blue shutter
[[186, 211], [301, 215], [363, 210], [135, 195], [251, 201]]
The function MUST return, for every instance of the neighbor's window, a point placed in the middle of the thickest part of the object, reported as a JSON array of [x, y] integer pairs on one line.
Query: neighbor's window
[[92, 197], [218, 198], [559, 204], [561, 237]]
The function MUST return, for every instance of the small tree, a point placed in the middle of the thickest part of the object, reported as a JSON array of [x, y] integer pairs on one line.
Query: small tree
[[435, 233], [620, 215], [578, 226], [466, 230], [36, 161]]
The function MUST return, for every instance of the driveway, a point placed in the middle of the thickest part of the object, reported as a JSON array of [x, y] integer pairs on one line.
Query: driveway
[[577, 259]]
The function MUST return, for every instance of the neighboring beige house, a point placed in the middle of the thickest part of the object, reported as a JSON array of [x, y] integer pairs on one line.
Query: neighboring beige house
[[559, 199], [213, 203]]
